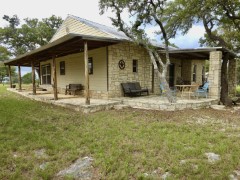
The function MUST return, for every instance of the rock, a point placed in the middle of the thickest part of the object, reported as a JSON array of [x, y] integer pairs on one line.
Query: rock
[[81, 169], [232, 177], [43, 166], [212, 157], [41, 153], [120, 106], [218, 107], [166, 175], [235, 175], [183, 162], [237, 172], [145, 174]]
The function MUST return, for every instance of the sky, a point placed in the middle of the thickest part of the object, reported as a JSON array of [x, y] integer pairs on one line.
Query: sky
[[87, 9]]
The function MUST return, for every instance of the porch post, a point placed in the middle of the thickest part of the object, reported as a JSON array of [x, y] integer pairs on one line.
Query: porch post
[[232, 76], [19, 78], [33, 79], [214, 76], [54, 78], [10, 76], [87, 97]]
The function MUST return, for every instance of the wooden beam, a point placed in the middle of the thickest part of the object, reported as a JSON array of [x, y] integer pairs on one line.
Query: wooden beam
[[33, 79], [10, 75], [87, 97], [55, 91], [19, 78]]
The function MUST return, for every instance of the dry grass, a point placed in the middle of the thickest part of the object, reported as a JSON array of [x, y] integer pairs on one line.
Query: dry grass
[[125, 144]]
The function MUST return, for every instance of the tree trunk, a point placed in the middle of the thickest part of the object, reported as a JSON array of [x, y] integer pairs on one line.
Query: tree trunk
[[161, 76], [224, 82]]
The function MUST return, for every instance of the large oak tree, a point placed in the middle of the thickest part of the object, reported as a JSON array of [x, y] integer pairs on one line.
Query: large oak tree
[[221, 20], [143, 13], [20, 38]]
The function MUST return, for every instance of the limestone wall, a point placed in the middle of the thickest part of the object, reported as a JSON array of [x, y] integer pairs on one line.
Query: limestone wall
[[127, 52], [187, 70], [214, 76]]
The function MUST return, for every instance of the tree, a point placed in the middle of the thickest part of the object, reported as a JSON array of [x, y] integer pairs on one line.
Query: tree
[[4, 55], [30, 35], [221, 20], [143, 13], [27, 78]]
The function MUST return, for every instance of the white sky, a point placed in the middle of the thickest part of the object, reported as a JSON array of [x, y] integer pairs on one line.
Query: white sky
[[87, 9]]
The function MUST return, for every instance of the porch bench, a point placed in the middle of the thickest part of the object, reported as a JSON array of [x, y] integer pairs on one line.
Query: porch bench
[[133, 89], [73, 88]]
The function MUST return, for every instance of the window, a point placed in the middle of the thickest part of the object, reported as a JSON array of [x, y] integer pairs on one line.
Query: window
[[46, 74], [135, 65], [194, 73], [90, 65], [203, 74], [62, 68]]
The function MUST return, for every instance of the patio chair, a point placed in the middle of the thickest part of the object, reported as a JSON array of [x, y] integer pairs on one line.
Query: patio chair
[[163, 90], [202, 91]]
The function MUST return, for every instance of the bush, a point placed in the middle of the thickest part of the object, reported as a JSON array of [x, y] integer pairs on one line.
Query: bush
[[238, 90]]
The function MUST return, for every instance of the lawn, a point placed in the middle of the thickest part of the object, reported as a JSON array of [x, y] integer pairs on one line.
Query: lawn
[[125, 144]]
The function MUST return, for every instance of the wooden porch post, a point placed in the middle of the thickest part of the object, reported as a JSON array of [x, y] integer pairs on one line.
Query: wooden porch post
[[19, 78], [10, 75], [87, 97], [54, 78], [33, 79]]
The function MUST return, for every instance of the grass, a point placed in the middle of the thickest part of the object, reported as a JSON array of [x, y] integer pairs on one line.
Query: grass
[[125, 144]]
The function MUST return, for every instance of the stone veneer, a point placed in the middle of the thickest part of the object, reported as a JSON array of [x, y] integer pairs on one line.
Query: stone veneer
[[127, 52], [214, 76], [232, 76]]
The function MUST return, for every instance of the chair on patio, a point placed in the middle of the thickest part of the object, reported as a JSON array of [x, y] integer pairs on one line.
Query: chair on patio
[[163, 90], [202, 91]]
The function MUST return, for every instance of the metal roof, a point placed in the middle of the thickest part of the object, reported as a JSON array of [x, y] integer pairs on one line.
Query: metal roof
[[68, 44], [201, 52], [109, 30]]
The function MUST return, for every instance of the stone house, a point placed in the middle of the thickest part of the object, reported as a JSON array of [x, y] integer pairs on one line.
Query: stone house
[[112, 59]]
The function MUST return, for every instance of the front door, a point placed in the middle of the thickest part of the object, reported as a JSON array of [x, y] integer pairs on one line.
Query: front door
[[171, 75]]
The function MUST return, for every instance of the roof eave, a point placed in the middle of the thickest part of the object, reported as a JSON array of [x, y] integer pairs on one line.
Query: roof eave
[[62, 40]]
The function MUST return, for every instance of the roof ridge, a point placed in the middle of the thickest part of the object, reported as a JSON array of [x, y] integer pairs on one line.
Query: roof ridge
[[101, 27], [91, 21]]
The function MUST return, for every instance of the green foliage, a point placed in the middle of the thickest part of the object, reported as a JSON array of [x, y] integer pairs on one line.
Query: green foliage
[[124, 144], [27, 78], [220, 18], [238, 90], [142, 14], [30, 35], [238, 71], [4, 55]]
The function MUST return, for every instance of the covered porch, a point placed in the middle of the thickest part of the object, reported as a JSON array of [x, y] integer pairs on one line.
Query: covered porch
[[185, 65], [152, 102], [67, 45]]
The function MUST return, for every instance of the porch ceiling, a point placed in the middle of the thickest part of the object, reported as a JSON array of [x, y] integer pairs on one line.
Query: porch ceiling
[[198, 53], [66, 45]]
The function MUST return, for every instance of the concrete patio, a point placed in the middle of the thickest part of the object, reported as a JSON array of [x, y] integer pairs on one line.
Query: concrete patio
[[152, 102]]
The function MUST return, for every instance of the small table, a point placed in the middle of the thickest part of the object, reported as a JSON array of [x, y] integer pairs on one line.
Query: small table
[[187, 89]]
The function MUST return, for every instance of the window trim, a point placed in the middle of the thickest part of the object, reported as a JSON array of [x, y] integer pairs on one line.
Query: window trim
[[90, 65], [194, 74], [46, 75], [135, 66], [62, 67], [203, 74]]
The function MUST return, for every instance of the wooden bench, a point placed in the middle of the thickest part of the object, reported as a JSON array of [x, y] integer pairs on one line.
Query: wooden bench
[[73, 88], [133, 89]]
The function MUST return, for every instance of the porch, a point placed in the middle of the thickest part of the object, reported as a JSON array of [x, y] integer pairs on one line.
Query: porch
[[151, 102]]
